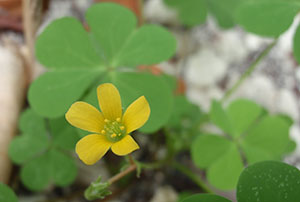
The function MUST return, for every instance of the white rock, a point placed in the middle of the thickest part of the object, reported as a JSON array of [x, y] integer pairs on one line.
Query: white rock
[[254, 42], [205, 68], [157, 11], [286, 103], [165, 194]]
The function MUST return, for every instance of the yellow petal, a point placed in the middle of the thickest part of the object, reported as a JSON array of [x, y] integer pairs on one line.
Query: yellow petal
[[84, 116], [136, 114], [125, 146], [91, 148], [109, 101]]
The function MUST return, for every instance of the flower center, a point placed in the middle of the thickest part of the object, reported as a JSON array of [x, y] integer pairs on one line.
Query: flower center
[[114, 130]]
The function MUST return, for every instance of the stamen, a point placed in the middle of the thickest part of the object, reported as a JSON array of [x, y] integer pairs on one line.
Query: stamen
[[113, 135], [103, 132], [122, 127], [119, 134]]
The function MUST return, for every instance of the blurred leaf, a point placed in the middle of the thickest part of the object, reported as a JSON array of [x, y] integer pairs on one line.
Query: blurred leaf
[[31, 123], [7, 194], [296, 44], [271, 135], [64, 135], [150, 44], [65, 44], [63, 168], [97, 190], [223, 11], [207, 149], [53, 93], [205, 198], [224, 172], [269, 181], [219, 117], [291, 146], [266, 18], [255, 154], [191, 12], [25, 147], [243, 113], [36, 174]]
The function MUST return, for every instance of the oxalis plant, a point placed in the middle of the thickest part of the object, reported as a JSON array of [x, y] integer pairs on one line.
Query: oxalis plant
[[93, 98]]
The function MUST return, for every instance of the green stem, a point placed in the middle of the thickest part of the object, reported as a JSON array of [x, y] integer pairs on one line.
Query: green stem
[[249, 71], [195, 178]]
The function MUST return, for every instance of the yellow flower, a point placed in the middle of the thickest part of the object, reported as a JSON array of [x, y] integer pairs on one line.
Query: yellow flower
[[112, 128]]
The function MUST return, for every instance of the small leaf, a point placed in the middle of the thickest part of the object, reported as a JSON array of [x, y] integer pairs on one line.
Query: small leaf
[[191, 12], [111, 26], [219, 117], [7, 194], [207, 149], [65, 44], [31, 123], [243, 113], [53, 93], [150, 44], [271, 135], [64, 135], [224, 173], [266, 18], [63, 168], [97, 190], [204, 198], [36, 174], [25, 147], [269, 181]]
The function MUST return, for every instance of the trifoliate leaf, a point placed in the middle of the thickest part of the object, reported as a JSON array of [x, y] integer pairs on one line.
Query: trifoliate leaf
[[64, 44], [266, 18], [269, 181], [52, 94], [207, 149]]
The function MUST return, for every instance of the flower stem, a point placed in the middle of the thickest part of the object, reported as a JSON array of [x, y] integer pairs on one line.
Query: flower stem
[[195, 178], [118, 176], [249, 71]]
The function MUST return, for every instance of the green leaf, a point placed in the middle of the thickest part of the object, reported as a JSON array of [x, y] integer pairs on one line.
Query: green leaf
[[31, 123], [52, 94], [296, 44], [270, 135], [64, 135], [157, 92], [269, 181], [150, 44], [65, 44], [223, 11], [36, 174], [191, 12], [219, 117], [205, 198], [207, 149], [63, 168], [224, 172], [7, 194], [97, 190], [266, 18], [25, 147], [243, 113], [255, 154], [111, 26]]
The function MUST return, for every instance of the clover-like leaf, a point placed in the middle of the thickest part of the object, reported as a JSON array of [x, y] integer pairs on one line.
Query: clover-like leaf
[[7, 194], [190, 12], [52, 93], [31, 123], [207, 149], [63, 168], [269, 181], [224, 172], [267, 18], [205, 198]]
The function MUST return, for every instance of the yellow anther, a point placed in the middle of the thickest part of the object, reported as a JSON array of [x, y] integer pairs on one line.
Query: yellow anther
[[119, 134], [106, 120], [113, 135], [103, 132], [122, 127], [118, 119]]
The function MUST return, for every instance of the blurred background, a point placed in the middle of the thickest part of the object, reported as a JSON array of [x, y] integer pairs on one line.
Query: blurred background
[[209, 59]]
